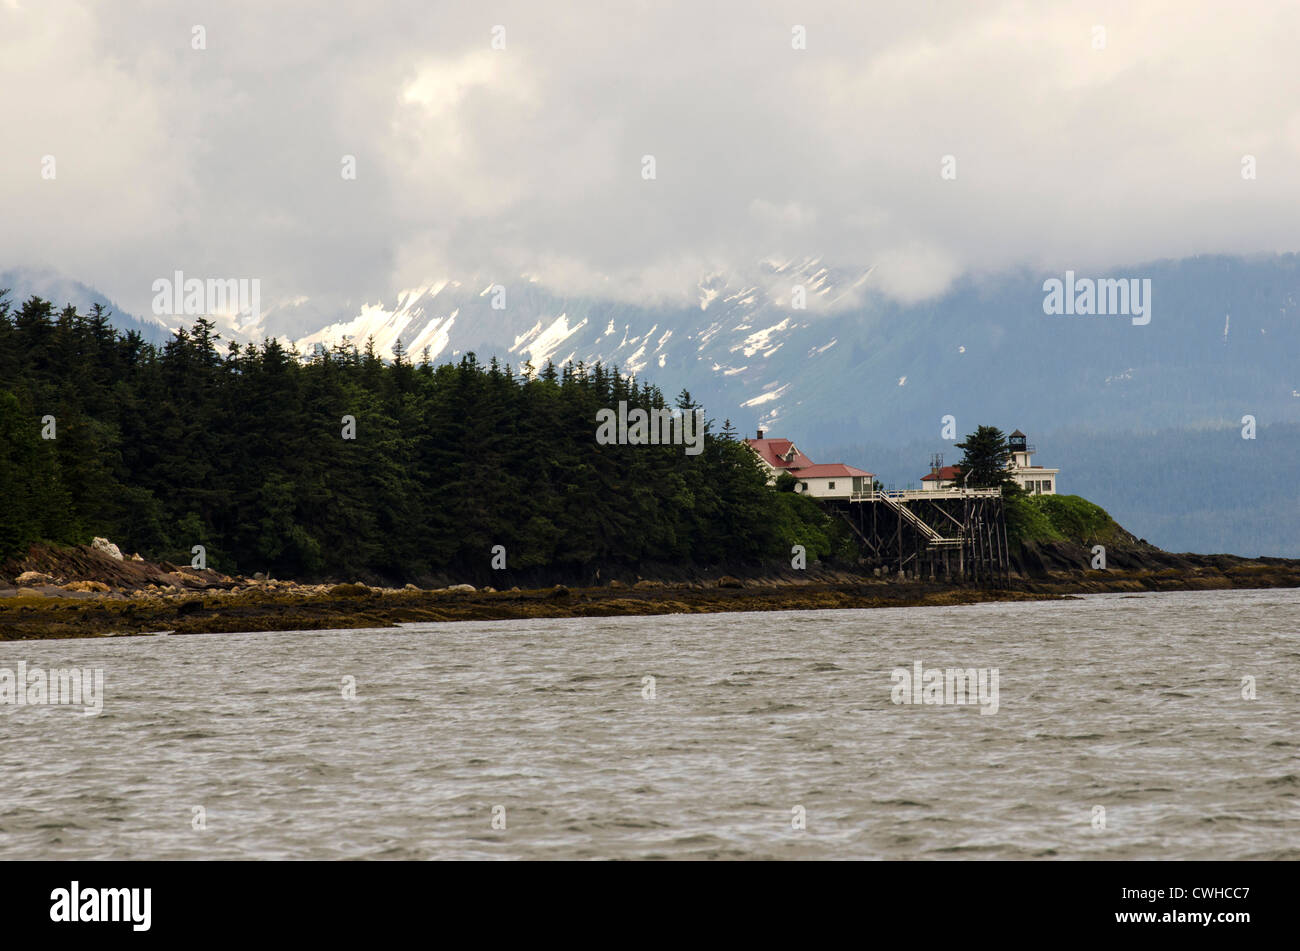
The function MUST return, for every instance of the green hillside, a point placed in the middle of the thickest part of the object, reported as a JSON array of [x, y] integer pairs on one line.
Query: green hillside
[[1044, 518]]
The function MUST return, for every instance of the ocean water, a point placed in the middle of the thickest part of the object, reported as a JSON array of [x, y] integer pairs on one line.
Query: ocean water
[[1120, 731]]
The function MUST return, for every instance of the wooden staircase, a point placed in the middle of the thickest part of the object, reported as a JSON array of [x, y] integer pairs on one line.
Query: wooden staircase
[[933, 538]]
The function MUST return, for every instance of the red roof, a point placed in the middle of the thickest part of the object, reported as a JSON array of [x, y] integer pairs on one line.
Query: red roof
[[771, 451], [828, 470], [943, 474]]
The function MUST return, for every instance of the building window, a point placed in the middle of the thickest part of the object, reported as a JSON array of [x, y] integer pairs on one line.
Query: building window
[[830, 485], [805, 486]]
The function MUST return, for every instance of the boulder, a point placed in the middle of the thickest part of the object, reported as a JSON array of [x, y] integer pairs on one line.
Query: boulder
[[411, 587], [88, 586], [350, 591], [108, 548], [29, 593], [33, 577], [726, 581], [460, 587]]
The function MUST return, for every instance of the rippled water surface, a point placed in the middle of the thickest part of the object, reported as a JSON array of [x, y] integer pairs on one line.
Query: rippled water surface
[[1133, 704]]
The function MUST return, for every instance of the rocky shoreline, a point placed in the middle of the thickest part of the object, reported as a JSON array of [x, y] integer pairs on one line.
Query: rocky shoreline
[[94, 591]]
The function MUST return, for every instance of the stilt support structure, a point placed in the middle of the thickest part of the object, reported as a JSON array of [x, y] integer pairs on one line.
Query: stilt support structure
[[956, 535]]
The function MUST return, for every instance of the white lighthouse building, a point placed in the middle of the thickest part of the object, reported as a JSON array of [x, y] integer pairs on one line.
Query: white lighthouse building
[[1036, 480]]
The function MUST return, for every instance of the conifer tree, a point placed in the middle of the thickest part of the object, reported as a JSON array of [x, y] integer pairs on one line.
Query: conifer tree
[[242, 449]]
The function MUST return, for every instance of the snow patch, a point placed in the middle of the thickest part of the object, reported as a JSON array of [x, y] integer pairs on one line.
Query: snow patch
[[761, 340], [767, 397], [539, 345]]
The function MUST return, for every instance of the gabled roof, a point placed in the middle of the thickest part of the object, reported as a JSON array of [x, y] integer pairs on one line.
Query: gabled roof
[[828, 470], [943, 474], [772, 450], [1018, 433]]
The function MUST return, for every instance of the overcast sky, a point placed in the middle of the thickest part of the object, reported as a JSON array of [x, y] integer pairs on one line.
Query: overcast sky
[[475, 162]]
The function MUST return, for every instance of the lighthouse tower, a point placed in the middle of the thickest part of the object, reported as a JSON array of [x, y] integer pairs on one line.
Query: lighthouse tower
[[1020, 450], [1035, 480]]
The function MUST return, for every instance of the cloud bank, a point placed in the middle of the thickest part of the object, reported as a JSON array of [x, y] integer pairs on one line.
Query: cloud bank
[[923, 141]]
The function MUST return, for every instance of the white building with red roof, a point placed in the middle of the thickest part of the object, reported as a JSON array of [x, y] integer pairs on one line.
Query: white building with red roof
[[941, 477], [826, 480], [778, 455]]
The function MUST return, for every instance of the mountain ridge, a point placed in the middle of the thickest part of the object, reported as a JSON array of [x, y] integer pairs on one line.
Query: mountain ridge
[[856, 369]]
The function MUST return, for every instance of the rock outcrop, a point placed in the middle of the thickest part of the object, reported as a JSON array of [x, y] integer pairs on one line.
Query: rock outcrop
[[33, 577], [108, 548]]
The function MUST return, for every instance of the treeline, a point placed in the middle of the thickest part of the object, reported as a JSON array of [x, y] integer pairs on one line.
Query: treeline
[[240, 449]]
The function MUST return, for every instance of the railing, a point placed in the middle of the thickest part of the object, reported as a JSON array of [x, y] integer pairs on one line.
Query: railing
[[953, 493]]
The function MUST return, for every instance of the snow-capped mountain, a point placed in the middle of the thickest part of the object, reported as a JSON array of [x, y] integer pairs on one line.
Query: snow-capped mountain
[[722, 345], [851, 363]]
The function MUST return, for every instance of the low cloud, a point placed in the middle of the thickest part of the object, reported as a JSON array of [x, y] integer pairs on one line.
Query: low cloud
[[528, 160]]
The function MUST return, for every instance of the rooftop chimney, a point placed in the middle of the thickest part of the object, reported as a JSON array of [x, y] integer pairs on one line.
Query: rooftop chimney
[[760, 434]]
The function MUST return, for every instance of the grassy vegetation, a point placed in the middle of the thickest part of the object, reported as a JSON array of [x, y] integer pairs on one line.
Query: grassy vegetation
[[1038, 518]]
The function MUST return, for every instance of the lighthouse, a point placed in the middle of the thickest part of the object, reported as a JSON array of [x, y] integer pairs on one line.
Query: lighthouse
[[1036, 480]]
